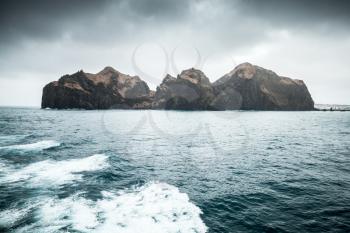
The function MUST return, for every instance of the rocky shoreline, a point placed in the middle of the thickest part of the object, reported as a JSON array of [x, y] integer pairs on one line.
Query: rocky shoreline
[[246, 87]]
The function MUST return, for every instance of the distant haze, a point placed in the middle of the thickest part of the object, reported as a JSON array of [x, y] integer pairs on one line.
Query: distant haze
[[42, 40]]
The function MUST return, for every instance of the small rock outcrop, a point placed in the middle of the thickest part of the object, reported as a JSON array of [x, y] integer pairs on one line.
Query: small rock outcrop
[[250, 87], [190, 90], [104, 90]]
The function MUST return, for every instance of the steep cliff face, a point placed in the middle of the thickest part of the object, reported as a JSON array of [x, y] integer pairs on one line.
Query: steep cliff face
[[190, 90], [106, 89], [250, 87], [247, 87]]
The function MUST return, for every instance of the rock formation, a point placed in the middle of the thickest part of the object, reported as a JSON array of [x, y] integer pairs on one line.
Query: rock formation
[[106, 89], [190, 90], [247, 87], [250, 87]]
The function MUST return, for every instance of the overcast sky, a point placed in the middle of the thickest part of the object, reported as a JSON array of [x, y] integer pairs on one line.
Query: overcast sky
[[42, 40]]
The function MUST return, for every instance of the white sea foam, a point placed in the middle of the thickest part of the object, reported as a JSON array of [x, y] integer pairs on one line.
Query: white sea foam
[[3, 167], [51, 172], [153, 208], [9, 217], [42, 145]]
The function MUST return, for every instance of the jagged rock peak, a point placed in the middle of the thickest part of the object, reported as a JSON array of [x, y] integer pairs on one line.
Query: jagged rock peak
[[106, 89], [108, 70], [194, 76], [168, 78], [190, 90], [245, 70]]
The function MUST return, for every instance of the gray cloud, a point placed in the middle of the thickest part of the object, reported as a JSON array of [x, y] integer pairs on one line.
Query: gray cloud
[[242, 21], [299, 11], [40, 19], [87, 20]]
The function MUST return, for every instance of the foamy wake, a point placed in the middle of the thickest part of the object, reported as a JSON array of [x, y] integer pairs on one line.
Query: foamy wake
[[42, 145], [9, 218], [153, 208], [51, 172]]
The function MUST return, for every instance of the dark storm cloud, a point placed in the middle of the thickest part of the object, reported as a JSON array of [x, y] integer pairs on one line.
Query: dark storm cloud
[[43, 19], [326, 9], [299, 12], [160, 8]]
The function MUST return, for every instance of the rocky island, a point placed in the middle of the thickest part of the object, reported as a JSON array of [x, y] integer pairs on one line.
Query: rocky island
[[106, 89], [246, 87]]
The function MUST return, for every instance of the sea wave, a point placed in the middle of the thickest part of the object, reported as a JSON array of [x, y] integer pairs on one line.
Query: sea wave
[[41, 145], [152, 208], [12, 138], [51, 172], [10, 217]]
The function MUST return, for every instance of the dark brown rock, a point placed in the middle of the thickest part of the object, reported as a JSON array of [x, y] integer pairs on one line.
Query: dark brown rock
[[247, 87], [191, 90], [106, 89], [250, 87]]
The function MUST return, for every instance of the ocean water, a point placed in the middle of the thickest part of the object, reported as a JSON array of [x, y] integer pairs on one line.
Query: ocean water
[[130, 171]]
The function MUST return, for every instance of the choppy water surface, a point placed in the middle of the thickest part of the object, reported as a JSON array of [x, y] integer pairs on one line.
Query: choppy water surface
[[172, 171]]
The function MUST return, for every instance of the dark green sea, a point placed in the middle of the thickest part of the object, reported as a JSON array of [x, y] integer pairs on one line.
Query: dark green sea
[[131, 171]]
